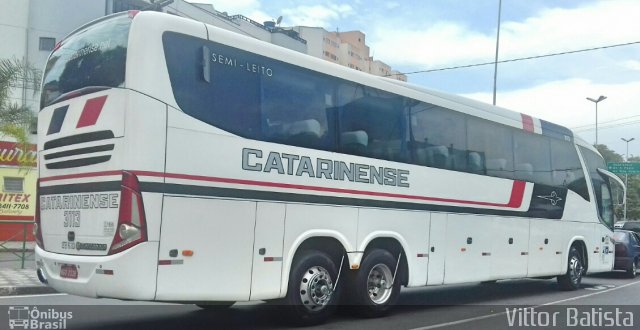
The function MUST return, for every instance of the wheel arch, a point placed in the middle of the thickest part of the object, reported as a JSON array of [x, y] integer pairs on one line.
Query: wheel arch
[[579, 243], [330, 242]]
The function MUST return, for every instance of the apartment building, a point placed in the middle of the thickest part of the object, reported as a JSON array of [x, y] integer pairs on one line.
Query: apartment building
[[345, 48]]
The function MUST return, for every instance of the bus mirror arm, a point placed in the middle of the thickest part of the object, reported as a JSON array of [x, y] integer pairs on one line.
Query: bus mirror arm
[[617, 180]]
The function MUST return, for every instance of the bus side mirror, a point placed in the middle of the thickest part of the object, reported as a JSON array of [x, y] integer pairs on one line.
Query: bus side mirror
[[616, 179]]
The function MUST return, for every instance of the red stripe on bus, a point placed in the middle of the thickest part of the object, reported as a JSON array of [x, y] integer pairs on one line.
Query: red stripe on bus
[[91, 111], [527, 123], [81, 175], [515, 199]]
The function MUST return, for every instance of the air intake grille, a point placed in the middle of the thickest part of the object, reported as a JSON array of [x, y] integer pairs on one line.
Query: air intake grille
[[86, 154]]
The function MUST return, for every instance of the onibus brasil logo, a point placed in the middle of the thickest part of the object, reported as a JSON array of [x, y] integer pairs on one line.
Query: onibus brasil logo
[[25, 317]]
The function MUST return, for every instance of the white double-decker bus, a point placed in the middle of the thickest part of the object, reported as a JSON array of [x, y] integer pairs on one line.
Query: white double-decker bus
[[181, 162]]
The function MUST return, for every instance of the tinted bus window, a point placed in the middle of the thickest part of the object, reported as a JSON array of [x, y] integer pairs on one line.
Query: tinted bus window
[[438, 137], [600, 185], [532, 157], [251, 95], [92, 57], [566, 168], [493, 144]]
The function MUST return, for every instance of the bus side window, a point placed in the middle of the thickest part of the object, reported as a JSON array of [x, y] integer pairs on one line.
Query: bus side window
[[354, 142], [494, 144], [373, 125], [438, 137]]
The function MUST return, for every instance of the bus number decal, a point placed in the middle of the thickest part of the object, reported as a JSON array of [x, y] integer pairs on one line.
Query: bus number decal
[[71, 219]]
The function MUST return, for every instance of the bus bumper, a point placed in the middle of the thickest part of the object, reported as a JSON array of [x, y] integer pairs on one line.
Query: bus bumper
[[130, 274]]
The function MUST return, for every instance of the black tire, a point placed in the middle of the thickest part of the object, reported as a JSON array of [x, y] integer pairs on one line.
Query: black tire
[[571, 280], [633, 269], [373, 294], [310, 297]]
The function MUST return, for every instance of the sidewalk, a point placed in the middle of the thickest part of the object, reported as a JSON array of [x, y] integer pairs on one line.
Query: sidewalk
[[13, 279]]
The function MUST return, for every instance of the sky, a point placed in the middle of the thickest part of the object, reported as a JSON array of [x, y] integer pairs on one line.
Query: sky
[[418, 35]]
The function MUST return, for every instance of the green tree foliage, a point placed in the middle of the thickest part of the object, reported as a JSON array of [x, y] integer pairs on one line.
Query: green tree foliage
[[15, 119], [633, 193]]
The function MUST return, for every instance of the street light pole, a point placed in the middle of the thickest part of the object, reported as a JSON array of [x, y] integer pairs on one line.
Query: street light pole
[[495, 65], [626, 176], [601, 98]]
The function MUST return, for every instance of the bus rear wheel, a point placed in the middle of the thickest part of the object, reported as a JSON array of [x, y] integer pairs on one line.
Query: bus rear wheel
[[573, 277], [375, 289], [312, 295]]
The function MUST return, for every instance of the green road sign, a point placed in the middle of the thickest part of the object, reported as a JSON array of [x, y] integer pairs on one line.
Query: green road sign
[[624, 168]]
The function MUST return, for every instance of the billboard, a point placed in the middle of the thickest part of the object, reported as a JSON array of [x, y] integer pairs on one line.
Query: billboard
[[18, 177]]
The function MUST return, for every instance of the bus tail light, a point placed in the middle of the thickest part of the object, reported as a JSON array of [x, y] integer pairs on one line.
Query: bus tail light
[[37, 228], [132, 224]]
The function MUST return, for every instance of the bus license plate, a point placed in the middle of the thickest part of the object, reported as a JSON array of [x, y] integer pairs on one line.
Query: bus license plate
[[69, 271]]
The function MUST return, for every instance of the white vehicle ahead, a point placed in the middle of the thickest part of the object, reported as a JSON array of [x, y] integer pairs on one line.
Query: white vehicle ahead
[[181, 162]]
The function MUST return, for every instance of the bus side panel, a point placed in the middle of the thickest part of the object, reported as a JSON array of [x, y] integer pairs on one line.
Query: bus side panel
[[547, 247], [468, 248], [607, 247], [144, 150], [411, 227], [510, 248], [267, 256], [437, 246], [220, 234]]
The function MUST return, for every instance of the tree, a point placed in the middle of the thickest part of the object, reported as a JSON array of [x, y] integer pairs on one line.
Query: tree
[[16, 120], [609, 155]]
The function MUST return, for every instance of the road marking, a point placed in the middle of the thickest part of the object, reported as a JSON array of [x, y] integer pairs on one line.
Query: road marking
[[601, 287], [34, 295], [446, 324]]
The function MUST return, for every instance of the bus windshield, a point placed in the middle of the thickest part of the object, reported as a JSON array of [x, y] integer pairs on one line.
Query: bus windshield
[[92, 57]]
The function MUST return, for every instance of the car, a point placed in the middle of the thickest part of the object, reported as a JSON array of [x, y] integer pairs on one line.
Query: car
[[619, 224], [627, 251], [632, 225]]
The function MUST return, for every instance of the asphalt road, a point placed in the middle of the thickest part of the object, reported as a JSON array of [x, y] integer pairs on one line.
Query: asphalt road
[[607, 301]]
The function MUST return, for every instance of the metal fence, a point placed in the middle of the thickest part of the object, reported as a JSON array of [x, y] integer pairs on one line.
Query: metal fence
[[18, 249]]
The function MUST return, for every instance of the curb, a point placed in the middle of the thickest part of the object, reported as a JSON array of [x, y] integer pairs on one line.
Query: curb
[[25, 290]]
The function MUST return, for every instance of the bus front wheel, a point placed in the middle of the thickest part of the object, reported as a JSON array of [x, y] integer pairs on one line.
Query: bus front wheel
[[571, 279], [312, 294]]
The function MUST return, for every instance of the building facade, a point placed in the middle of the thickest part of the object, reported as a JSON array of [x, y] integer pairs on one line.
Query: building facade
[[345, 48], [18, 175]]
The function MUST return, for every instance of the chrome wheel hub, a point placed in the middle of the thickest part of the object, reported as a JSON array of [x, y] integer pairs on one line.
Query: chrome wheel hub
[[379, 284], [316, 288], [575, 270]]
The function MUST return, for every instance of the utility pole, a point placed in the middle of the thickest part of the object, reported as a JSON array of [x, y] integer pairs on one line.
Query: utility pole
[[601, 98], [626, 176], [495, 66]]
